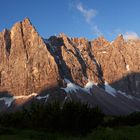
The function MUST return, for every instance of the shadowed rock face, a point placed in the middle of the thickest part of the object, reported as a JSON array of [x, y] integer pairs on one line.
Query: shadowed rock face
[[119, 59], [61, 66], [100, 61]]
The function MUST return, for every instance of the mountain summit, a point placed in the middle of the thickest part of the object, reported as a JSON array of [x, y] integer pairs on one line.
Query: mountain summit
[[98, 72]]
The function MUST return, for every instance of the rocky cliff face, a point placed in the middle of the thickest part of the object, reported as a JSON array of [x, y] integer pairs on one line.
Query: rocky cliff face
[[116, 63], [26, 65], [30, 64], [120, 63]]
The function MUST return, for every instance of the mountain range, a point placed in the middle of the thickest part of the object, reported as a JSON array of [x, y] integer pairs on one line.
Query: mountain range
[[97, 72]]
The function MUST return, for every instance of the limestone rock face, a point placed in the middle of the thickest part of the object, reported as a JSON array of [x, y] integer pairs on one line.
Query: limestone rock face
[[99, 61], [120, 63], [26, 65], [29, 63]]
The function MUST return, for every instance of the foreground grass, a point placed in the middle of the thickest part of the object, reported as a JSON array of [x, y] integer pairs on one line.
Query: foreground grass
[[120, 133]]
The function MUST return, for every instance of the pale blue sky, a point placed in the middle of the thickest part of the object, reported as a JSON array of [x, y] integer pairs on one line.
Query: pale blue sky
[[76, 18]]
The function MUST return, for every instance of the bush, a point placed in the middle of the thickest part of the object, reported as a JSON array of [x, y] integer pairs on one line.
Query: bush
[[80, 117], [131, 120], [72, 117]]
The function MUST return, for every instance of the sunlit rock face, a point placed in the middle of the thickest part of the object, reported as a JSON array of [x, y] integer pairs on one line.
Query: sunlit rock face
[[29, 63], [62, 68], [26, 65], [120, 63], [98, 60]]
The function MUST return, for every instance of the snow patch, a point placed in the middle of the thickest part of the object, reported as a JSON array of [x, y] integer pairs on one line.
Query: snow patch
[[80, 55], [111, 42], [103, 52], [127, 67], [8, 100], [131, 36], [71, 87], [43, 97], [94, 62], [25, 96], [126, 95], [89, 86], [110, 90], [66, 98], [46, 41]]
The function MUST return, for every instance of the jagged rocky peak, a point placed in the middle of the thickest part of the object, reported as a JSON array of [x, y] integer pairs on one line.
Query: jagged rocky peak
[[100, 39], [119, 39], [43, 63], [100, 42], [81, 43], [97, 71], [98, 60], [56, 41], [27, 21], [30, 66], [5, 31], [63, 35]]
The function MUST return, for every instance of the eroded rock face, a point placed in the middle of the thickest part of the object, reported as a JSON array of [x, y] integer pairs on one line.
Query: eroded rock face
[[117, 63], [26, 64], [120, 63], [29, 64]]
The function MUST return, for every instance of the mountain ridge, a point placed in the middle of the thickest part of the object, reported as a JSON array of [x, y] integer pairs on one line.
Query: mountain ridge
[[68, 66]]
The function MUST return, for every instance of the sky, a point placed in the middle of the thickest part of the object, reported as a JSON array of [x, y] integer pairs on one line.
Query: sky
[[75, 18]]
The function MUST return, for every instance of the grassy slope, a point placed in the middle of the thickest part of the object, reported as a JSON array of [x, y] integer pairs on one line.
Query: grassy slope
[[121, 133]]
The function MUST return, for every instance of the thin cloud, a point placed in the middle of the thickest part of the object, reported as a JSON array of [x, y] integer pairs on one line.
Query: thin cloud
[[115, 32], [96, 30], [88, 15], [131, 36]]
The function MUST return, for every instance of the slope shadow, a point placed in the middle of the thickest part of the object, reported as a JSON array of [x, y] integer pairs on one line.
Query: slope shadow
[[64, 71], [128, 84], [3, 105]]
